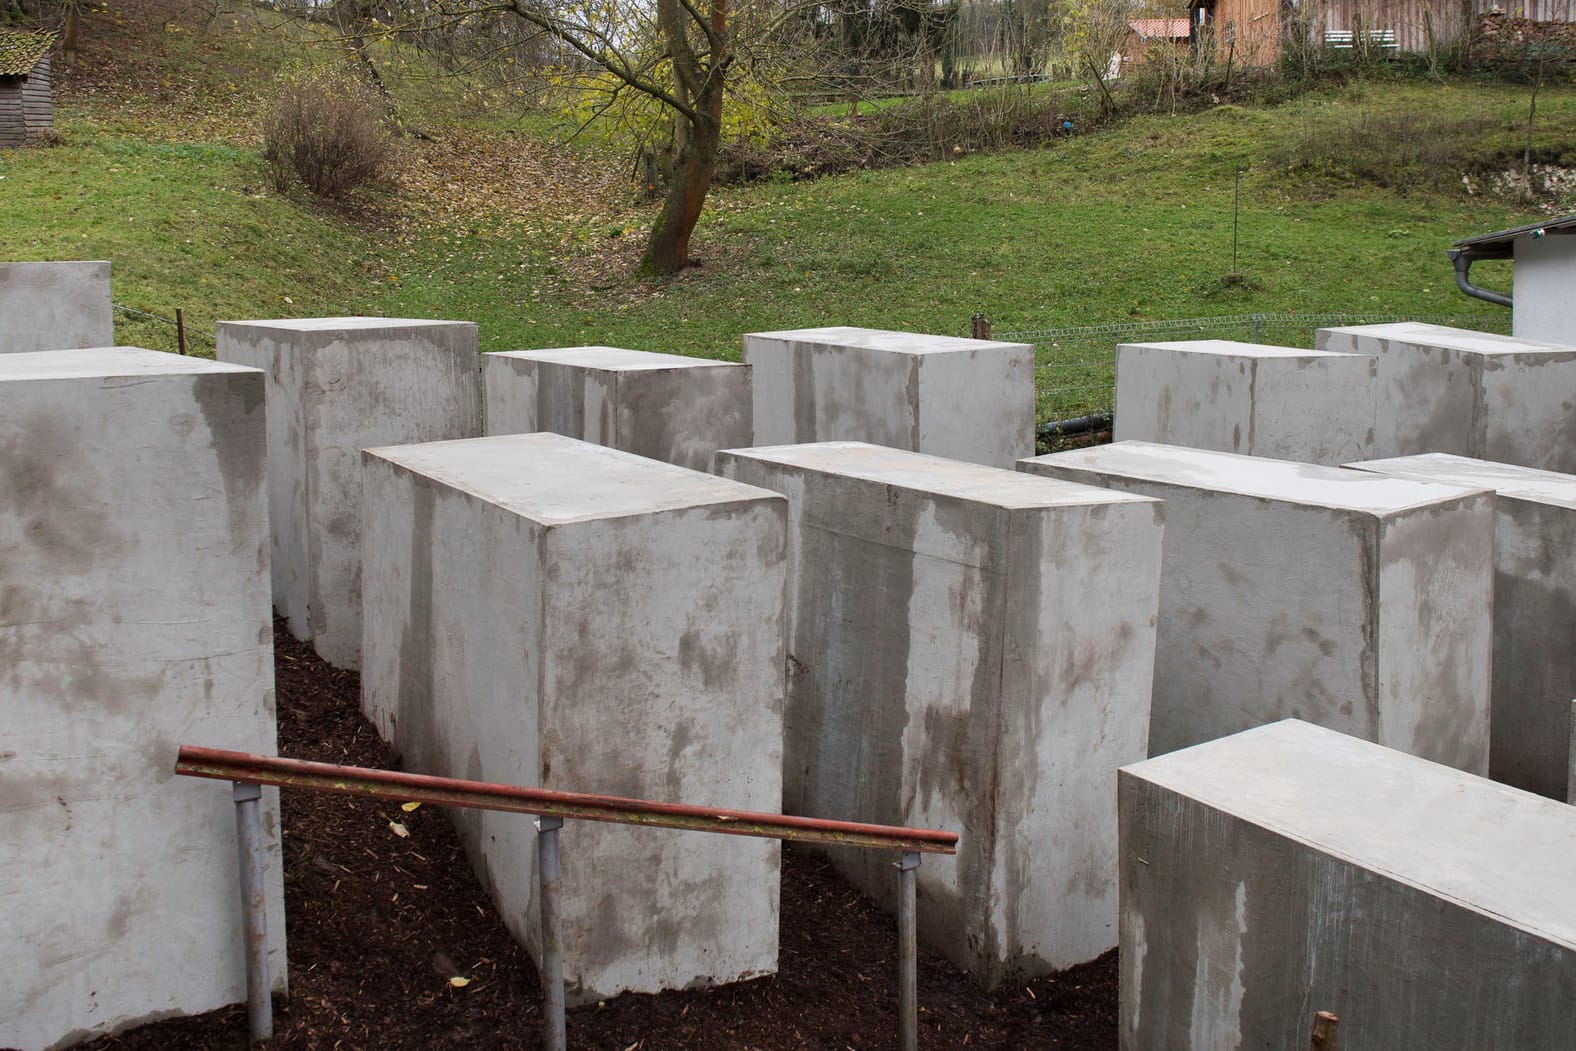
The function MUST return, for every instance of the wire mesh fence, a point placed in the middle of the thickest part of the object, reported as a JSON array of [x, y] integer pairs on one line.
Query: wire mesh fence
[[1075, 368], [139, 328]]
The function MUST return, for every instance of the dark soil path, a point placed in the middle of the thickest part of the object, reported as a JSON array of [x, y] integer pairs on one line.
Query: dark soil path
[[379, 924]]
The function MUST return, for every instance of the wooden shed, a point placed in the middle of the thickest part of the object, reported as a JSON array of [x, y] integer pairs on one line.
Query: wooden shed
[[27, 108]]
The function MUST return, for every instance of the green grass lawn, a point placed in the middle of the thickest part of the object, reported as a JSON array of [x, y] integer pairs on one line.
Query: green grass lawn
[[1127, 224]]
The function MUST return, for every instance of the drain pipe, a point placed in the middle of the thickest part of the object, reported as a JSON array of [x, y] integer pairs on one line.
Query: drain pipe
[[1463, 263], [1077, 425]]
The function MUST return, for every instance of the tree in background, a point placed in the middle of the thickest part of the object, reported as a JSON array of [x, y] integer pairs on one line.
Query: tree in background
[[1092, 33]]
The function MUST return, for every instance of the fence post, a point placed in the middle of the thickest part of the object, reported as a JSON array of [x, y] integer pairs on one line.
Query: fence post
[[254, 900], [180, 329], [907, 953], [555, 1037], [1325, 1025], [979, 326]]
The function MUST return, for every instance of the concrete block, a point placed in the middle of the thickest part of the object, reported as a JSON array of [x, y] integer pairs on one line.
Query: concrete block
[[133, 619], [337, 386], [1570, 777], [545, 612], [1448, 390], [970, 649], [966, 399], [1291, 869], [664, 406], [1304, 405], [55, 306], [1534, 675], [1349, 600]]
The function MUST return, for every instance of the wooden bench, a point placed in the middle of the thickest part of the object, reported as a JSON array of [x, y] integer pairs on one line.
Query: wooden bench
[[1345, 38]]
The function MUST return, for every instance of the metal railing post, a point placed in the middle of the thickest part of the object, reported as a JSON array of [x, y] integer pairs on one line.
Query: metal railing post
[[555, 1037], [551, 808], [907, 953], [254, 901]]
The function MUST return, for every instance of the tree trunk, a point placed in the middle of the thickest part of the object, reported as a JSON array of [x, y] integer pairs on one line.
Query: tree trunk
[[699, 137], [667, 251]]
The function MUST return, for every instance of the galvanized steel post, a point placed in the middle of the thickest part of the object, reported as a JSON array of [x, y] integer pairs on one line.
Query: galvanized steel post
[[556, 1036], [254, 899], [907, 953]]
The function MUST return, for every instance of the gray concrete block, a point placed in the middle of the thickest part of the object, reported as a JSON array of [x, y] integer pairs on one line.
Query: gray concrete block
[[1357, 602], [55, 306], [1534, 611], [966, 399], [545, 612], [970, 649], [337, 386], [133, 619], [1570, 777], [665, 406], [1287, 404], [1448, 390], [1291, 869]]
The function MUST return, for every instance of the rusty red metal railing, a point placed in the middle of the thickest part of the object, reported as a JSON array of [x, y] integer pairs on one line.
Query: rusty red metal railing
[[246, 771]]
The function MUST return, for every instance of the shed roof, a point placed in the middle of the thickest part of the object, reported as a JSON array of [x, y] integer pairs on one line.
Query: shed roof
[[1161, 28], [20, 51], [1497, 245]]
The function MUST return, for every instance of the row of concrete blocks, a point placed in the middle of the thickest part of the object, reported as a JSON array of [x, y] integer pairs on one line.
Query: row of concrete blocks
[[967, 647], [340, 385], [196, 427], [931, 750], [1367, 392]]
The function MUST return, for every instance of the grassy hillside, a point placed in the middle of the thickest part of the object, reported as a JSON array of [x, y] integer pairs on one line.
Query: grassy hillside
[[1348, 199]]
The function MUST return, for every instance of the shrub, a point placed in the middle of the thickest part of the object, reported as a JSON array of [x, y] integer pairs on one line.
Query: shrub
[[1400, 149], [326, 130]]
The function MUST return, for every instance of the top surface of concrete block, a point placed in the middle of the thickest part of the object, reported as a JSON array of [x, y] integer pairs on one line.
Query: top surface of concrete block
[[1256, 476], [344, 324], [106, 361], [937, 475], [554, 480], [883, 340], [1445, 337], [1521, 483], [1234, 348], [1479, 844], [613, 359]]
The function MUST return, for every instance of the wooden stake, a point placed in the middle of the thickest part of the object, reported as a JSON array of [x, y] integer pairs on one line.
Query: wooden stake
[[1325, 1025]]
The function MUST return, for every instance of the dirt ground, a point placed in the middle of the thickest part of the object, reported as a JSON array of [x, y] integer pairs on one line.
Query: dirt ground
[[379, 924]]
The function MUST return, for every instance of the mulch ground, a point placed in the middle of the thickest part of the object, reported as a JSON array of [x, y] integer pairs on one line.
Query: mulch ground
[[378, 924]]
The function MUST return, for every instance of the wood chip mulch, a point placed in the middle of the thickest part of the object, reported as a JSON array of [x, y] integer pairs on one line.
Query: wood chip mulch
[[379, 924]]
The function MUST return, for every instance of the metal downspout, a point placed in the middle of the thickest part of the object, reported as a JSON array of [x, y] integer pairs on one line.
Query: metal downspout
[[1463, 264]]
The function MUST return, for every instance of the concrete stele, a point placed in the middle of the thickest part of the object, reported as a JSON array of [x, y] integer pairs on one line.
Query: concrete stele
[[55, 306], [1353, 601], [337, 386], [970, 649], [1534, 611], [1449, 390], [966, 399], [664, 406], [133, 618], [1287, 404], [546, 612], [1291, 869]]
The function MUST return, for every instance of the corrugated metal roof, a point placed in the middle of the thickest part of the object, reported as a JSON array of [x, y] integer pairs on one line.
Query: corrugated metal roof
[[1503, 238], [20, 52], [1162, 28]]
